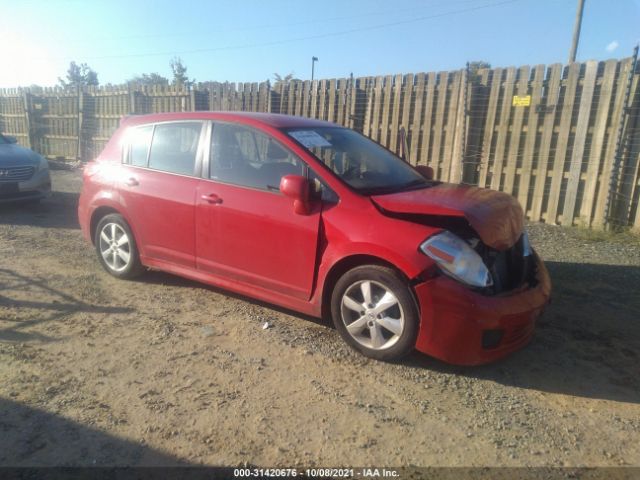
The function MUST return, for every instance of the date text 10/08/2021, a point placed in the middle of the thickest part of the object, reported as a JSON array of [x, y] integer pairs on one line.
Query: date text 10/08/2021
[[315, 473]]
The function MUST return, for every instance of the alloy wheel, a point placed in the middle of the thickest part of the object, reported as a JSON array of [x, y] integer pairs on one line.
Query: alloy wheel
[[372, 314], [115, 247]]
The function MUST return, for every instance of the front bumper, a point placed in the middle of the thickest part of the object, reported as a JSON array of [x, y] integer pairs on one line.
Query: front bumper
[[464, 327], [36, 188]]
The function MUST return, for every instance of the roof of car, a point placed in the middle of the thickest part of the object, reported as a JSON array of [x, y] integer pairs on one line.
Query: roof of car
[[271, 119]]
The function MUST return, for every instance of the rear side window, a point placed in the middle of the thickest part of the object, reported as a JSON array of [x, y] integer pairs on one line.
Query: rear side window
[[139, 140], [249, 158], [174, 147]]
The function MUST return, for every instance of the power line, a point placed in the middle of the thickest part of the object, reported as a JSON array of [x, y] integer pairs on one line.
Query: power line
[[299, 39], [276, 25]]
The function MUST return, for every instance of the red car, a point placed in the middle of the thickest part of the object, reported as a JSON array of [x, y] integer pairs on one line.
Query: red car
[[316, 218]]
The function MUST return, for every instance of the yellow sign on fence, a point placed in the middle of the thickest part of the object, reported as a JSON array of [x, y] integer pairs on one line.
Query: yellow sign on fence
[[521, 101]]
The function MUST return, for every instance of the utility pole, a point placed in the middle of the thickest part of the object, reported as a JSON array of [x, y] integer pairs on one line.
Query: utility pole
[[313, 64], [576, 32]]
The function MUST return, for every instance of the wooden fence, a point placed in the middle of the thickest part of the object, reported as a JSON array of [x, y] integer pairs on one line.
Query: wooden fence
[[565, 140]]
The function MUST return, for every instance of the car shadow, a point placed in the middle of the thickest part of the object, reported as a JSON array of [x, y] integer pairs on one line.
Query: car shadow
[[29, 302], [57, 211], [35, 438], [587, 344], [161, 278]]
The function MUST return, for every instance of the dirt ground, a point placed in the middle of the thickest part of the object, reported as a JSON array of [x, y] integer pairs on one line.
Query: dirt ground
[[160, 371]]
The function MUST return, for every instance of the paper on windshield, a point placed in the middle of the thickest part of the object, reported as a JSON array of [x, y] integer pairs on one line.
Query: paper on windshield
[[309, 138]]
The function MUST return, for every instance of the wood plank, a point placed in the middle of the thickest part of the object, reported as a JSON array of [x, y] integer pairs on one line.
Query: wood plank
[[503, 128], [395, 113], [353, 108], [489, 127], [457, 160], [306, 95], [79, 145], [374, 133], [511, 161], [331, 111], [451, 109], [577, 155], [30, 141], [416, 125], [438, 130], [342, 99], [368, 114], [554, 74], [524, 186], [313, 111], [386, 110], [617, 116], [630, 155], [322, 100], [566, 120], [407, 98], [427, 128]]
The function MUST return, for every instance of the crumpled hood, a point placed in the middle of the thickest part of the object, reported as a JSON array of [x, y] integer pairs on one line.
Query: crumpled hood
[[495, 216], [12, 155]]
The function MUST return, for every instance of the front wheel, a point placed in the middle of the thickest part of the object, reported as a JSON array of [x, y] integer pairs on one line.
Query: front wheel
[[116, 247], [373, 309]]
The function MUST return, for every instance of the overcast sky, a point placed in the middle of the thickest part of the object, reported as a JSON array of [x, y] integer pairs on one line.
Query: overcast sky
[[249, 40]]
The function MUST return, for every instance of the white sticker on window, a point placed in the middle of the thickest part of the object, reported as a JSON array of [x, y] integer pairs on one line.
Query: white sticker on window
[[309, 138]]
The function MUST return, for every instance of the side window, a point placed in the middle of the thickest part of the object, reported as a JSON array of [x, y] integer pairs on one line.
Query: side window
[[138, 140], [249, 158], [174, 147]]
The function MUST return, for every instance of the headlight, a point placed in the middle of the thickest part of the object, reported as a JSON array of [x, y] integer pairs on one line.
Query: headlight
[[43, 165], [457, 259]]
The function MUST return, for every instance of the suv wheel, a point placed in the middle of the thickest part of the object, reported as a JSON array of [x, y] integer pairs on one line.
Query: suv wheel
[[116, 247], [373, 309]]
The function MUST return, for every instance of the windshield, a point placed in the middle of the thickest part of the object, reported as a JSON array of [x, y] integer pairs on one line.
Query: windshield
[[3, 140], [361, 163]]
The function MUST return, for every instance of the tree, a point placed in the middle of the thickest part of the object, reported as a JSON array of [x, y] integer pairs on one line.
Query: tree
[[279, 79], [474, 67], [179, 72], [79, 76], [149, 79]]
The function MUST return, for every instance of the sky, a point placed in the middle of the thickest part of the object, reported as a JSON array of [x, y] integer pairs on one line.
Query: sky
[[250, 40]]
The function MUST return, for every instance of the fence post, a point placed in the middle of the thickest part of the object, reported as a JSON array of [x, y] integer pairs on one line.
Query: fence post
[[132, 100], [615, 173], [26, 97], [457, 160], [80, 93], [192, 97]]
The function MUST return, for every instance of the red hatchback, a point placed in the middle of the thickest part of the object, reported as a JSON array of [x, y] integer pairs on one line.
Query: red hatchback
[[319, 219]]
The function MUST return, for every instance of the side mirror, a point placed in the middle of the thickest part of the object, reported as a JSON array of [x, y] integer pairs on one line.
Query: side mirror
[[426, 172], [11, 139], [297, 188]]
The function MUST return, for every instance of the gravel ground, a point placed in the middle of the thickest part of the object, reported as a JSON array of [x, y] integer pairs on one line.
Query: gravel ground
[[97, 371]]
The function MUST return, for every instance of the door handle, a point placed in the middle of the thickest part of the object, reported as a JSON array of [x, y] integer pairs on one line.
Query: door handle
[[132, 182], [212, 198]]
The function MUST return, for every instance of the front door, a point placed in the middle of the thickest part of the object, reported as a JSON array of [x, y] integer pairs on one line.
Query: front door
[[246, 229]]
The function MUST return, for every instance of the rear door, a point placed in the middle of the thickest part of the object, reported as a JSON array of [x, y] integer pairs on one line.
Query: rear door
[[246, 229], [160, 177]]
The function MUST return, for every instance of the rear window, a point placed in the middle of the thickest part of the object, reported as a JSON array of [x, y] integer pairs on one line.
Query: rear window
[[174, 147]]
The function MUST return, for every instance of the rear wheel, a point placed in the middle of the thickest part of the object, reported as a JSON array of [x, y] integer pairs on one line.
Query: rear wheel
[[116, 247], [373, 309]]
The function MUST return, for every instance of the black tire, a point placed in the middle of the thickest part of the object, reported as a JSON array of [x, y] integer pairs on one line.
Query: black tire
[[404, 312], [124, 270]]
